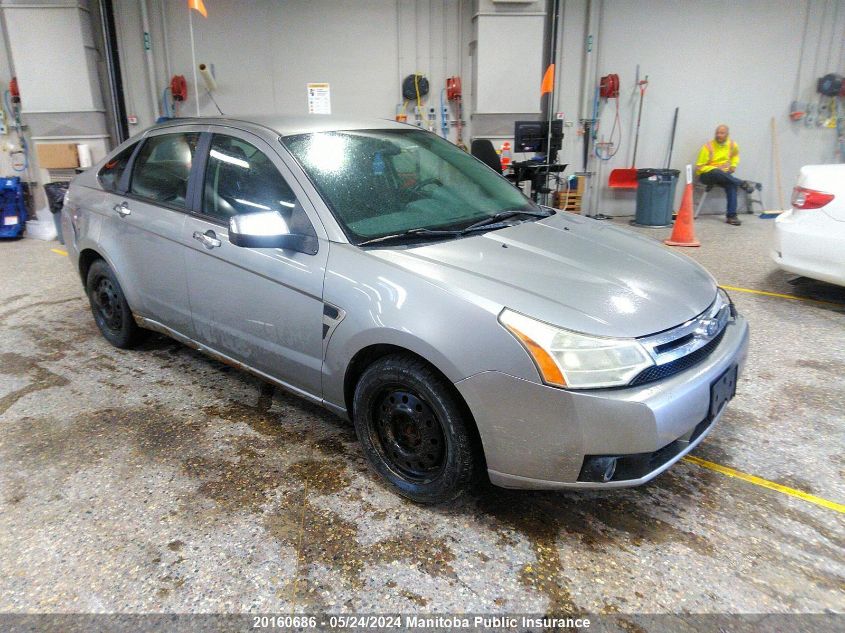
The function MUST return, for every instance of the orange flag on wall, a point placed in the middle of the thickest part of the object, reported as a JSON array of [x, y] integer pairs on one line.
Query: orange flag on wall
[[548, 80], [199, 6]]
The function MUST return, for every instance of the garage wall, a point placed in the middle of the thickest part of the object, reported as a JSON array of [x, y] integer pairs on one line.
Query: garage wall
[[718, 61], [48, 75], [265, 52], [6, 140], [49, 46], [508, 57]]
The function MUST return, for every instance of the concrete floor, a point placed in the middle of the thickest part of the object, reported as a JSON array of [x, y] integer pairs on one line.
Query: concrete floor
[[157, 480]]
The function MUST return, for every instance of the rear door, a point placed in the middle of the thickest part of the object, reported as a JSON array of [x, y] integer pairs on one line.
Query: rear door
[[148, 215], [259, 306], [97, 224]]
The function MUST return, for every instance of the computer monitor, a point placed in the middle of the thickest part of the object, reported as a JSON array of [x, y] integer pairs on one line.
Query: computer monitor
[[532, 136]]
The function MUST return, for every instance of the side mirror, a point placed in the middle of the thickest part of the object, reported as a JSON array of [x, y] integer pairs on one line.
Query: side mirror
[[268, 229]]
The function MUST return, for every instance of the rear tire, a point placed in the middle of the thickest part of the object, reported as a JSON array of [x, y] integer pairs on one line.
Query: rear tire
[[111, 311], [413, 429]]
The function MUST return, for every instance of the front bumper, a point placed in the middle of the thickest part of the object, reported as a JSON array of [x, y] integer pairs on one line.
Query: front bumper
[[537, 437]]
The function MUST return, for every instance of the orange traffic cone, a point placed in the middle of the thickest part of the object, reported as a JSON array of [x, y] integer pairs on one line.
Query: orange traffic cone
[[683, 233]]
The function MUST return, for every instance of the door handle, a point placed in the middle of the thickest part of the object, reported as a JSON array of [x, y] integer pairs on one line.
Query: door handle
[[122, 209], [207, 239]]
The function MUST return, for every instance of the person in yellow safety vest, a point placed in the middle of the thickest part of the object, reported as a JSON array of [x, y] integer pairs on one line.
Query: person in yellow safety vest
[[716, 164]]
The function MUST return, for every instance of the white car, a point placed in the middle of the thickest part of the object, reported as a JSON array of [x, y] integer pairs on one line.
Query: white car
[[810, 237]]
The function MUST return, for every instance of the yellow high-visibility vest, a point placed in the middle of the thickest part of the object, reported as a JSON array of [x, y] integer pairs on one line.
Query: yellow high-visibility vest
[[715, 155]]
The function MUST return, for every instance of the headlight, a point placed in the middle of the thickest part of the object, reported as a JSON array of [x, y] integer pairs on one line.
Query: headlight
[[577, 361]]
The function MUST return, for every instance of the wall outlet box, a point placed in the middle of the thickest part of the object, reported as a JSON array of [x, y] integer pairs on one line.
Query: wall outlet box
[[57, 155]]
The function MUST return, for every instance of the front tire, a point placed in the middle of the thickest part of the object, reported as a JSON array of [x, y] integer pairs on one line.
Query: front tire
[[413, 429], [108, 304]]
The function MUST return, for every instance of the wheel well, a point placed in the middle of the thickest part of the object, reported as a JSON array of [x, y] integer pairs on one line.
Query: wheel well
[[86, 258], [367, 356]]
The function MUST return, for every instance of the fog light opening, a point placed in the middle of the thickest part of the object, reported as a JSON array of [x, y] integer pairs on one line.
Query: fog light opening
[[601, 469]]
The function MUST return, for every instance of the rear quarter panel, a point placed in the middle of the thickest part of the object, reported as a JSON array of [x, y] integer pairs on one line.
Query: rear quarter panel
[[830, 179], [94, 230]]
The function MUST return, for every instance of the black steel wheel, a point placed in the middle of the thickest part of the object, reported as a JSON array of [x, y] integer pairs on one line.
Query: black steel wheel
[[407, 434], [107, 304], [414, 430], [112, 313]]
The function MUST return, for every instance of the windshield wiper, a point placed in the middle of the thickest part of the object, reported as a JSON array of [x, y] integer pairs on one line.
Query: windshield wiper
[[503, 215], [409, 233], [487, 222]]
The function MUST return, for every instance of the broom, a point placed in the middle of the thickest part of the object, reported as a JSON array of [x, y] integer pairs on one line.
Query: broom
[[776, 158]]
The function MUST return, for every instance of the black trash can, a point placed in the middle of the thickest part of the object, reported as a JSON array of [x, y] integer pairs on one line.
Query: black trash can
[[56, 199], [655, 196]]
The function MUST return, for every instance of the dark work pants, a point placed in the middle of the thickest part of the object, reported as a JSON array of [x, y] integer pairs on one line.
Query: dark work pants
[[726, 181]]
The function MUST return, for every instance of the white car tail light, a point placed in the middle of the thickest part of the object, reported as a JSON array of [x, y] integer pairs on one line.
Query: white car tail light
[[803, 198]]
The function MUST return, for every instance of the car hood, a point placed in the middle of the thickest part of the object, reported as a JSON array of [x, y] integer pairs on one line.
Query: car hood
[[570, 271]]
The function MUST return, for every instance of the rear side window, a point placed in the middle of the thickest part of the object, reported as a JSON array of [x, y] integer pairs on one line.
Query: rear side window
[[111, 172], [163, 167]]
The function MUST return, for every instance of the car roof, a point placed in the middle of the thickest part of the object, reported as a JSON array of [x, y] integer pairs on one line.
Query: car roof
[[286, 125]]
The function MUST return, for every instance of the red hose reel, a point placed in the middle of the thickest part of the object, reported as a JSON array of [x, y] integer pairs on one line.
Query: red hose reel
[[609, 87]]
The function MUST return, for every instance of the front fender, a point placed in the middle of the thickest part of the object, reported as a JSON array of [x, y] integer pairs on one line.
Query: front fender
[[388, 305]]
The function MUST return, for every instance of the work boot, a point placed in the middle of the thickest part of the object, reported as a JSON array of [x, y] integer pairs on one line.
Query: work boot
[[732, 219], [748, 186]]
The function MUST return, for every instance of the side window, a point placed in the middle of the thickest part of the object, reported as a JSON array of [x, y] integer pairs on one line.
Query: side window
[[163, 166], [239, 179], [111, 172]]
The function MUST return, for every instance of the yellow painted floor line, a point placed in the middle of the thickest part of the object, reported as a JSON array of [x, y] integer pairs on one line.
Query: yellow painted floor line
[[764, 483], [781, 296], [59, 251]]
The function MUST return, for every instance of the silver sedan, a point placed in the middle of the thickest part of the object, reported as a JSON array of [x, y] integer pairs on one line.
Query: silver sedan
[[380, 271]]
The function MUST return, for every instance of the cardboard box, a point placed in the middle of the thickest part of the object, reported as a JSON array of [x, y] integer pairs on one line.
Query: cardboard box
[[57, 155]]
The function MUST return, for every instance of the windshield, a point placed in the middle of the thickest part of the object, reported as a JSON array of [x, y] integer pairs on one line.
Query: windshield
[[388, 182]]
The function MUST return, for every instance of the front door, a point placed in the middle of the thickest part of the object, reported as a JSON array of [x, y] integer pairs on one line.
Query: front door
[[259, 306]]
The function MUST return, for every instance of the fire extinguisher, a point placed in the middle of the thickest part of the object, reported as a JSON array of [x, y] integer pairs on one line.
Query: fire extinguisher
[[506, 155], [454, 94], [14, 92]]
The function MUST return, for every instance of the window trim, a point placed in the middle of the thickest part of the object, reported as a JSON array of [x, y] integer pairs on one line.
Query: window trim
[[197, 184], [197, 169], [126, 178], [133, 145]]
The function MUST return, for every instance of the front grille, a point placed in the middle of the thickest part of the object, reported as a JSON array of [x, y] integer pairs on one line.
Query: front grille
[[668, 347], [659, 372]]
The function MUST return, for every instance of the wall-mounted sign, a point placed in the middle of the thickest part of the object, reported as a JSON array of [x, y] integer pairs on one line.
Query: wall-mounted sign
[[319, 99]]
